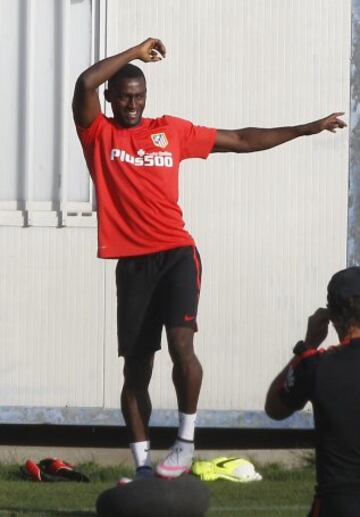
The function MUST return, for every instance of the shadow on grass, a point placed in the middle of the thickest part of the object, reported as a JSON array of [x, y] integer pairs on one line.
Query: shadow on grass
[[43, 512]]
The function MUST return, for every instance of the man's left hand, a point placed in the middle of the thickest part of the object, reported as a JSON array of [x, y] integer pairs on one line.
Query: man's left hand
[[317, 329]]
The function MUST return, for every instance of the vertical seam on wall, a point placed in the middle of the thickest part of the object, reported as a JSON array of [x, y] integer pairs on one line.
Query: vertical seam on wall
[[349, 144], [104, 335], [354, 153], [103, 20]]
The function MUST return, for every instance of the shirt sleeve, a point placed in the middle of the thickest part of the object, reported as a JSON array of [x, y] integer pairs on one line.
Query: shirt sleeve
[[194, 141], [87, 135], [299, 384]]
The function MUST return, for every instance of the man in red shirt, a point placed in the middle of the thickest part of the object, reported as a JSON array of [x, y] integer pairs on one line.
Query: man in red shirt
[[134, 164]]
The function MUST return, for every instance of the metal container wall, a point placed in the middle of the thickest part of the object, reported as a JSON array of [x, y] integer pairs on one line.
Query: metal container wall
[[271, 227]]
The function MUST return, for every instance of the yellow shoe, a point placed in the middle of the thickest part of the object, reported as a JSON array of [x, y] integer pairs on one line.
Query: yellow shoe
[[238, 470], [205, 470]]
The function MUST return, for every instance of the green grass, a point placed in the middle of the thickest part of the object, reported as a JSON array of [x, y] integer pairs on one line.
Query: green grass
[[281, 493]]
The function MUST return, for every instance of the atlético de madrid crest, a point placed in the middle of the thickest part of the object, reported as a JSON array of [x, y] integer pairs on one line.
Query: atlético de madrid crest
[[160, 140]]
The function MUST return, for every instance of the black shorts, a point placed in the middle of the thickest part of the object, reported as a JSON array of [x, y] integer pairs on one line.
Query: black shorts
[[155, 290]]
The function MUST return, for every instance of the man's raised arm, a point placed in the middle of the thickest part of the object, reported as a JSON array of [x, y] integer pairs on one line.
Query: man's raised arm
[[252, 139], [275, 407], [86, 104]]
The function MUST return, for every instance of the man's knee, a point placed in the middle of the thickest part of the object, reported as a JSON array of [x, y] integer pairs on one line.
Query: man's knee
[[181, 344]]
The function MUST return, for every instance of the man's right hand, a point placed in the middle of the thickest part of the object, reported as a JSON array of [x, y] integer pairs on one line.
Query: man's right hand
[[317, 329], [151, 50]]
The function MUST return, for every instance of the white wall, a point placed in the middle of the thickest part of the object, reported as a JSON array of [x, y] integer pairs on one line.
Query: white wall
[[271, 226]]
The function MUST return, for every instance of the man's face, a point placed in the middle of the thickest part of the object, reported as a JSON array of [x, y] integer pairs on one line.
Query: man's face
[[127, 99]]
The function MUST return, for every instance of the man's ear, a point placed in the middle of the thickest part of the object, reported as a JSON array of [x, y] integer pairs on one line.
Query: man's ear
[[107, 95]]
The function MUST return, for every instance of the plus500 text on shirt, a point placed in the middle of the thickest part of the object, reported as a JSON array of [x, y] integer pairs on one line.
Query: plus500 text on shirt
[[135, 173]]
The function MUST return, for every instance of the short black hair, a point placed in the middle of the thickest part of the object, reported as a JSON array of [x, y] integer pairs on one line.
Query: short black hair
[[128, 71], [344, 313], [344, 299]]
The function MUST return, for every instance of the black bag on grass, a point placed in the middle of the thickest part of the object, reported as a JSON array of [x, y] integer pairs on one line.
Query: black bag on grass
[[51, 470]]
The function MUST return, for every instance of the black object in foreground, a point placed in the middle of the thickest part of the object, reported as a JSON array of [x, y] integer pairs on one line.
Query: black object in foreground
[[185, 496]]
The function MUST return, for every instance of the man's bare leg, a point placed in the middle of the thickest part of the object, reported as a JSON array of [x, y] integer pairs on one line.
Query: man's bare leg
[[187, 378], [187, 370], [136, 408]]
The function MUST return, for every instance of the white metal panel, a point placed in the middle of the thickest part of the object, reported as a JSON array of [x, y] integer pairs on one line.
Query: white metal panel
[[80, 22], [51, 318], [271, 226], [11, 53], [42, 157]]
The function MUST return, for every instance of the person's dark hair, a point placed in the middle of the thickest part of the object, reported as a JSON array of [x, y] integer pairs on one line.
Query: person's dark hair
[[344, 313], [128, 71]]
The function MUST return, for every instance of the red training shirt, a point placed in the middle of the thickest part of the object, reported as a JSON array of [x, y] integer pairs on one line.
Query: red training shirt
[[135, 173]]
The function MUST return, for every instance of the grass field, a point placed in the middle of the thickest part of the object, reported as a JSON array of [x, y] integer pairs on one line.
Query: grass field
[[281, 493]]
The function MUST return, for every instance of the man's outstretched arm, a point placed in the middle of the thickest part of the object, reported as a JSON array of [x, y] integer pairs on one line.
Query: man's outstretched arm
[[252, 139], [86, 104]]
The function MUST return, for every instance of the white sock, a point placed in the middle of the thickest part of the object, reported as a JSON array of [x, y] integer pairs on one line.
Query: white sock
[[186, 426], [141, 453]]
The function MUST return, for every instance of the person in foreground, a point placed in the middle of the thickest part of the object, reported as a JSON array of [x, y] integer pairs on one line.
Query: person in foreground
[[329, 379], [134, 164]]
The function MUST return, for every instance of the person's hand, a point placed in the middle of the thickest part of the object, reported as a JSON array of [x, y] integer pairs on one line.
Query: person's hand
[[151, 50], [330, 123], [317, 329]]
